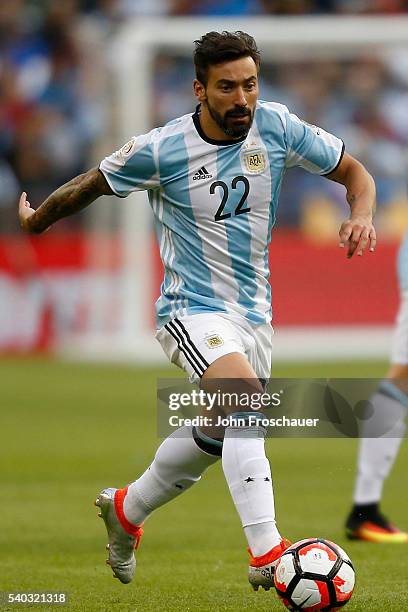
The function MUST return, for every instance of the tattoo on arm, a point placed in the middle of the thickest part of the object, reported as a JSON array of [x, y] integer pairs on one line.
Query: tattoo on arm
[[69, 199]]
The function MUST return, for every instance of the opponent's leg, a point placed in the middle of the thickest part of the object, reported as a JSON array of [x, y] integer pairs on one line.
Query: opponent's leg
[[375, 460], [377, 454], [179, 463], [247, 470]]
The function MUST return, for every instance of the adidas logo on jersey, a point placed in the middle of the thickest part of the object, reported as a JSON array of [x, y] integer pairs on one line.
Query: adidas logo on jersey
[[202, 173]]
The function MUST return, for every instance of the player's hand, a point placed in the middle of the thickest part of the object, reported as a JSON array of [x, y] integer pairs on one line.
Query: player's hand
[[25, 212], [356, 233]]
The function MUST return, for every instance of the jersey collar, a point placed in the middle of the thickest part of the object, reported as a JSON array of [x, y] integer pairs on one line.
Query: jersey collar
[[221, 143]]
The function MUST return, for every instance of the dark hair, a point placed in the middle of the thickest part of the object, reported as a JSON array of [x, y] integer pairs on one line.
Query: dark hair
[[217, 47]]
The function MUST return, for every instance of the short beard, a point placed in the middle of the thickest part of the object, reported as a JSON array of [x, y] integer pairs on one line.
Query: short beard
[[237, 131]]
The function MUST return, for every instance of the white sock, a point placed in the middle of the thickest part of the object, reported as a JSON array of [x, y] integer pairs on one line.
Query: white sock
[[248, 475], [377, 454], [177, 465]]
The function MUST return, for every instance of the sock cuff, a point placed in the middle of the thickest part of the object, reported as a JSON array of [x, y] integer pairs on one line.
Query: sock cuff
[[208, 445], [245, 425], [391, 390], [270, 556], [119, 498], [240, 419]]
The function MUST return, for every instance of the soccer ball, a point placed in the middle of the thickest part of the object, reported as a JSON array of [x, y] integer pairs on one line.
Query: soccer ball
[[314, 574]]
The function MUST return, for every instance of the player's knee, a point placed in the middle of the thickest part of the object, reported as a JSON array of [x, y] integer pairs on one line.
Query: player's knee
[[235, 394]]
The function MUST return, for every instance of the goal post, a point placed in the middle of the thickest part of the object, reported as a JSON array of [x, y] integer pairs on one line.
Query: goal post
[[132, 53]]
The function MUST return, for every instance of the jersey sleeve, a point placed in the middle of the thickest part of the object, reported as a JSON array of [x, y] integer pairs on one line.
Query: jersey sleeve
[[311, 147], [133, 167]]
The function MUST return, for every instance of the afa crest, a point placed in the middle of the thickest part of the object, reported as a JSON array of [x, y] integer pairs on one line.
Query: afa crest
[[255, 161], [214, 341]]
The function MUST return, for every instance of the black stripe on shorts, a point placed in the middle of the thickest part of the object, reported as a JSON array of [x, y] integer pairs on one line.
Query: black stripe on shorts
[[181, 345], [191, 343]]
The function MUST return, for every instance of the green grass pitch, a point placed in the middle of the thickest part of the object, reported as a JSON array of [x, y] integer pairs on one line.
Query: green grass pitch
[[68, 430]]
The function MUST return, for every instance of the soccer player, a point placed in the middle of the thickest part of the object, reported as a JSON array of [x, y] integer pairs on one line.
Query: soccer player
[[377, 453], [213, 178]]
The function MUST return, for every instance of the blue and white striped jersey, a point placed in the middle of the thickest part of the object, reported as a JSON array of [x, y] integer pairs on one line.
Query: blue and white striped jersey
[[215, 203]]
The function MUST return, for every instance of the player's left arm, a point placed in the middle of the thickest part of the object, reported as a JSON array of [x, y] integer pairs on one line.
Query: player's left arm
[[358, 231]]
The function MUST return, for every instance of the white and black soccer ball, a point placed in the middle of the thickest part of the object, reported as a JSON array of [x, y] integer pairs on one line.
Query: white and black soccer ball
[[314, 574]]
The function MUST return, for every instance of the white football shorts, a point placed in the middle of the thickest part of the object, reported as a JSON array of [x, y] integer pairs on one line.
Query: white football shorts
[[399, 352], [195, 341]]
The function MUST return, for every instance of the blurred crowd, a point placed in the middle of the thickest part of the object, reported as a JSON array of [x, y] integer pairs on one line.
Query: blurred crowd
[[54, 109], [120, 8], [50, 111]]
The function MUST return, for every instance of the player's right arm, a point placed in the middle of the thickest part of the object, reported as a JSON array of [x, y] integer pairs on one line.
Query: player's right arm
[[66, 200]]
